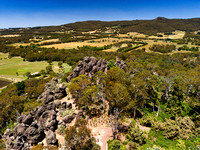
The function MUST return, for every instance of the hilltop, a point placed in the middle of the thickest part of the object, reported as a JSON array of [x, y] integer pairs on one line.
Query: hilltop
[[150, 27]]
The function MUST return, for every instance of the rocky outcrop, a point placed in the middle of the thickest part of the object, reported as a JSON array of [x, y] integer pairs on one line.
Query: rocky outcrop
[[52, 91], [90, 65], [51, 138], [40, 123], [121, 64]]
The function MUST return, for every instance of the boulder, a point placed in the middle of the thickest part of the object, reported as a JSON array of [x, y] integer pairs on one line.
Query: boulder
[[59, 95], [49, 98], [19, 130], [7, 133], [19, 143], [9, 143], [69, 106], [68, 119], [27, 119], [58, 104], [19, 119], [86, 59], [51, 106], [40, 111], [34, 135], [64, 105], [48, 120], [51, 138]]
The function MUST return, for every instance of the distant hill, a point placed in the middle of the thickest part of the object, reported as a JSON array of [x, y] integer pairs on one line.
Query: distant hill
[[159, 24], [149, 27]]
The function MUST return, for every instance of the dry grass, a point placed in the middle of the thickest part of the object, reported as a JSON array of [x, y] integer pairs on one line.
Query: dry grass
[[98, 42], [13, 35], [176, 35], [20, 44], [50, 40]]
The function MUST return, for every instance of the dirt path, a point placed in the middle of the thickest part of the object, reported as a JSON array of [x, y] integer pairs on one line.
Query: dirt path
[[102, 135]]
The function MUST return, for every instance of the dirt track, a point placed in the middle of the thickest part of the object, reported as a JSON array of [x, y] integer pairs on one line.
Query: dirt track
[[102, 135]]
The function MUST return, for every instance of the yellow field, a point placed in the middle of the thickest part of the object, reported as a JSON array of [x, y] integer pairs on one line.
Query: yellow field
[[14, 35], [50, 40], [96, 42]]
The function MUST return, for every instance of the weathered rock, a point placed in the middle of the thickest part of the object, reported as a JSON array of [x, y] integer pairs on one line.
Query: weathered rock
[[34, 135], [68, 119], [69, 106], [8, 133], [89, 66], [40, 111], [48, 119], [19, 143], [49, 99], [59, 95], [19, 130], [58, 104], [9, 143], [64, 105], [51, 106], [86, 59], [27, 119], [51, 138], [19, 119]]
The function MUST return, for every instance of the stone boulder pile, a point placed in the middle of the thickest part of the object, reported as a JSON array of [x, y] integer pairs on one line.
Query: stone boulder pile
[[40, 124], [121, 64], [53, 90], [90, 65]]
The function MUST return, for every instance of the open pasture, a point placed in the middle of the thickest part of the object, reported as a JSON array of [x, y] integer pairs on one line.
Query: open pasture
[[14, 68]]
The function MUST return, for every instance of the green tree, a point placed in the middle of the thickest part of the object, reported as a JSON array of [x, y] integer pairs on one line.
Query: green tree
[[78, 137]]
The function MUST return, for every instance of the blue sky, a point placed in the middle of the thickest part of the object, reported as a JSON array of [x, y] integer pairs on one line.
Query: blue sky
[[29, 13]]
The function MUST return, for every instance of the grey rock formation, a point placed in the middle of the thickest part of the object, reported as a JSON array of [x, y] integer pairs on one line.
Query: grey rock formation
[[51, 138], [90, 65], [68, 119]]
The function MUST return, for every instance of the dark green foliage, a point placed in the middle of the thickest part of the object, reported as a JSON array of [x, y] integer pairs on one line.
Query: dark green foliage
[[162, 48], [78, 137], [111, 64], [135, 134], [13, 102], [186, 48], [114, 145], [95, 48], [2, 144], [20, 87]]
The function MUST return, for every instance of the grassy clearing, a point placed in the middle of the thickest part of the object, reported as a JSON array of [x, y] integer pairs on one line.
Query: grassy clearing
[[9, 67], [14, 35]]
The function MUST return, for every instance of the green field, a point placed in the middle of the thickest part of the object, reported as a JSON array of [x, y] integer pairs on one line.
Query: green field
[[10, 67]]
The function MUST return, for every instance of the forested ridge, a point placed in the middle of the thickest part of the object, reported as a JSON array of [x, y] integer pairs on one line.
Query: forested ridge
[[150, 27]]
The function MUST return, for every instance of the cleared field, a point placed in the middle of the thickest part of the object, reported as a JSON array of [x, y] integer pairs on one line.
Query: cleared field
[[14, 35], [175, 35], [50, 40], [20, 44], [96, 42], [10, 67]]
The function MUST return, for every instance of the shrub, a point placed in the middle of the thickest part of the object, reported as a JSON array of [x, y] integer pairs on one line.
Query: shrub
[[61, 130], [67, 112], [135, 134], [114, 145]]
